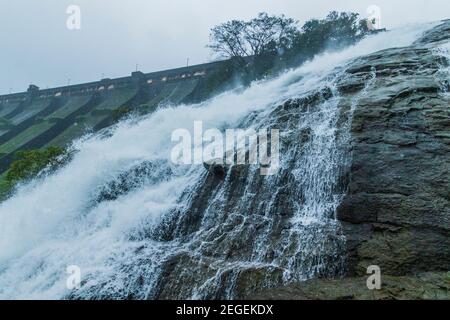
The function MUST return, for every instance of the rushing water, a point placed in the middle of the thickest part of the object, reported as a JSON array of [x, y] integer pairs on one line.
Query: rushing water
[[62, 219], [443, 51]]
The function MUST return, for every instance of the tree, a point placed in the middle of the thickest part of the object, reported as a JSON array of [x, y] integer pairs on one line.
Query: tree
[[276, 43], [266, 33], [337, 30], [228, 40], [261, 35]]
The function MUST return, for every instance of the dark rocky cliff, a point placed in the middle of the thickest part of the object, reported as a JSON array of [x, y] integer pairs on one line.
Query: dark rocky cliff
[[396, 213], [392, 116]]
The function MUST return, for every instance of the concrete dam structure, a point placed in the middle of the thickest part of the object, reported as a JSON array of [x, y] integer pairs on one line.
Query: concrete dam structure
[[55, 117]]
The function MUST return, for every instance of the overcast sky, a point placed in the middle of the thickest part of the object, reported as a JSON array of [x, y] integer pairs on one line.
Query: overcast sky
[[115, 35]]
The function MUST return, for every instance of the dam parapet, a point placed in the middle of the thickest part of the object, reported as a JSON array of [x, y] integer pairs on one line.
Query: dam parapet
[[136, 78]]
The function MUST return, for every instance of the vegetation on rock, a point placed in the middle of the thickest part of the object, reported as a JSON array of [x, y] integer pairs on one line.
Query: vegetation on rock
[[29, 164]]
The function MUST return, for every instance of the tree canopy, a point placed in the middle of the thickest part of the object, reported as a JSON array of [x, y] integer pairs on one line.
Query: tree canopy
[[29, 163], [280, 35], [264, 33]]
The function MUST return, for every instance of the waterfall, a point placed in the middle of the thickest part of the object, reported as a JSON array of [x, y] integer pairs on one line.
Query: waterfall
[[443, 52], [139, 226]]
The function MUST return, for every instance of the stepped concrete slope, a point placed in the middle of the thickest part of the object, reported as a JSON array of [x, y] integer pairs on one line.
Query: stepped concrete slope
[[40, 118]]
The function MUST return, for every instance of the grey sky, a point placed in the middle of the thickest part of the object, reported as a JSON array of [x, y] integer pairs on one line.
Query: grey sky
[[36, 47]]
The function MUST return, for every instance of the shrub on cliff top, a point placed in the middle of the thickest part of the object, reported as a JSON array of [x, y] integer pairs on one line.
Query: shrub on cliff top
[[279, 36], [29, 164]]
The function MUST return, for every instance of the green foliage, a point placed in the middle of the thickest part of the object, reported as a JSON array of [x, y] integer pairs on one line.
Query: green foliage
[[258, 36], [267, 45], [279, 35], [337, 30], [29, 163], [4, 188]]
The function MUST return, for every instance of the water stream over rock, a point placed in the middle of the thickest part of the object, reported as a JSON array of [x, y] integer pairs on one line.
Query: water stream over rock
[[139, 226]]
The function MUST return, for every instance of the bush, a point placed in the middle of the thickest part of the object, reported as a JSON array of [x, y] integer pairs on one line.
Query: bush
[[29, 164]]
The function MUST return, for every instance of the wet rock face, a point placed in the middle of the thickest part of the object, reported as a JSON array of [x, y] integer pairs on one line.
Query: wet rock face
[[425, 286], [370, 147], [146, 172], [239, 226], [397, 210], [437, 34], [217, 168]]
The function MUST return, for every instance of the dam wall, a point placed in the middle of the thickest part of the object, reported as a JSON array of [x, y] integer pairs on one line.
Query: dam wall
[[56, 116]]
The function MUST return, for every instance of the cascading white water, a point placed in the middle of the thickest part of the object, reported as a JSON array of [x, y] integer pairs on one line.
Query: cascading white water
[[444, 52], [55, 221]]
